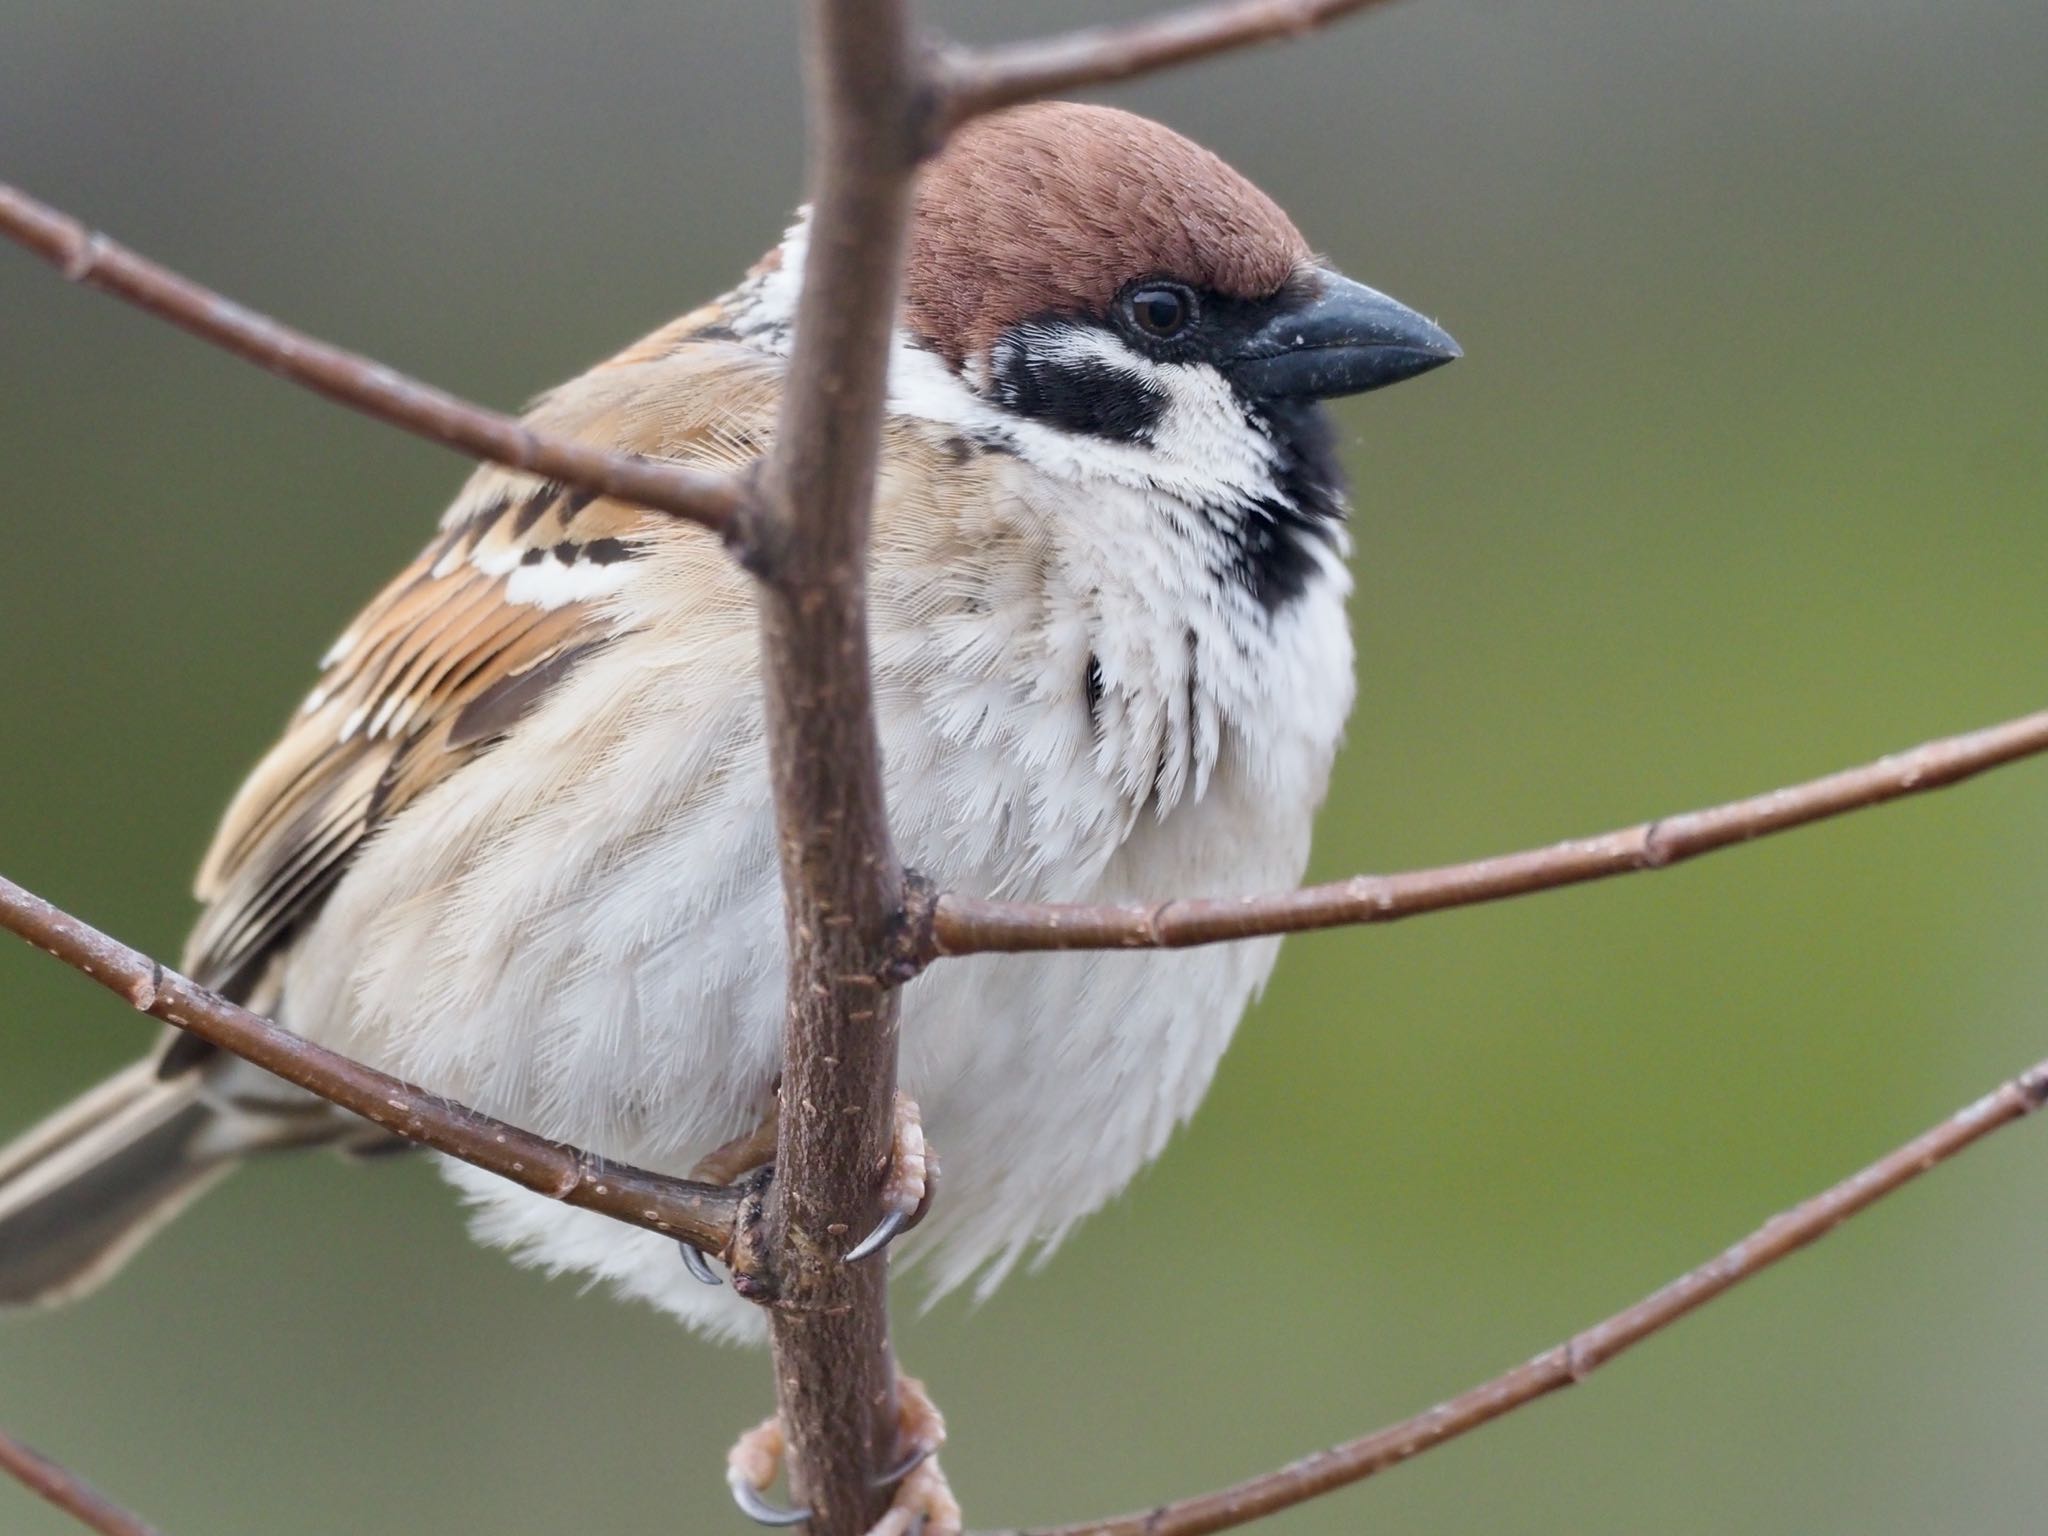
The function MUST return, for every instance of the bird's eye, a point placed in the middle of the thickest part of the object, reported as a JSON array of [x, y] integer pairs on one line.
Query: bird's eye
[[1160, 310]]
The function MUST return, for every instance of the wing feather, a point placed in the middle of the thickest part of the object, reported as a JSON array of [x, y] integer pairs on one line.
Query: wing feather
[[506, 601]]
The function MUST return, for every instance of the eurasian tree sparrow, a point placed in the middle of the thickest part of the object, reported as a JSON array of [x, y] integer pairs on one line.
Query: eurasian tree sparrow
[[517, 846]]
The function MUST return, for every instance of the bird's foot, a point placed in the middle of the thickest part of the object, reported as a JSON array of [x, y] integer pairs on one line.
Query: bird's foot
[[743, 1155], [910, 1178], [922, 1503]]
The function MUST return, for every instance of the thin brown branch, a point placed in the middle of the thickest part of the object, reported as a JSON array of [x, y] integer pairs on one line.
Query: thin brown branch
[[84, 256], [68, 1491], [806, 537], [974, 81], [699, 1212], [1579, 1356], [965, 925]]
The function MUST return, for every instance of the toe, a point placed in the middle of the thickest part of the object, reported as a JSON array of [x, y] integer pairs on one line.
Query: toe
[[924, 1505], [908, 1180], [751, 1466], [924, 1500]]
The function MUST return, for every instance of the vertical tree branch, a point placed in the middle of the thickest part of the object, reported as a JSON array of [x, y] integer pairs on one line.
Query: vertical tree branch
[[806, 537]]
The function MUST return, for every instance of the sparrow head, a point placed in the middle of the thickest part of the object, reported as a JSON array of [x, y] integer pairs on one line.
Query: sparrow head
[[1077, 263], [1097, 295]]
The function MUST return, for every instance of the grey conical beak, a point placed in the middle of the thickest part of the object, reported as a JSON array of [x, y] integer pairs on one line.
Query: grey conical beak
[[1338, 338]]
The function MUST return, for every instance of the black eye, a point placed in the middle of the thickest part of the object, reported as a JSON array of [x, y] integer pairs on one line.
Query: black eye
[[1161, 310]]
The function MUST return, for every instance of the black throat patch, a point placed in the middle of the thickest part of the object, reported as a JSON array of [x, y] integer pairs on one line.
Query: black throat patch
[[1275, 542]]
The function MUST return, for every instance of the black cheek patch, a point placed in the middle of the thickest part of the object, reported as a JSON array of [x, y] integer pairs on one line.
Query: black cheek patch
[[1081, 395]]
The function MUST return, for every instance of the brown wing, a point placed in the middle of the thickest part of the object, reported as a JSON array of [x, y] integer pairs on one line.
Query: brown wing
[[404, 700], [503, 604]]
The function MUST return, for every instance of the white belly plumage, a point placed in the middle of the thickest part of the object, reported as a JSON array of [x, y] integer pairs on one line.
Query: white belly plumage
[[584, 937]]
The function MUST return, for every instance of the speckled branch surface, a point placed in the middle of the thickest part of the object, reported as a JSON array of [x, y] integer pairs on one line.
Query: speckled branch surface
[[805, 535]]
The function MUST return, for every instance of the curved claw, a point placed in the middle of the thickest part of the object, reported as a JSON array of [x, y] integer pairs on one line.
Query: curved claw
[[694, 1261], [906, 1466], [887, 1230], [758, 1509]]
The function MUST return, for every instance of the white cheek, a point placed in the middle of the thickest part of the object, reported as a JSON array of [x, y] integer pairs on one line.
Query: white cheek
[[1205, 433], [1202, 450], [922, 386]]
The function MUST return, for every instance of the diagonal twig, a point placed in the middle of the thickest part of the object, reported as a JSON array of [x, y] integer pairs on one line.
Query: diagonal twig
[[702, 1213], [1585, 1352], [84, 256], [973, 81], [68, 1491], [966, 925]]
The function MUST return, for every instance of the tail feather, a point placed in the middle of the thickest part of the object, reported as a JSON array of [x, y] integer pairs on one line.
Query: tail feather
[[82, 1191], [41, 1140]]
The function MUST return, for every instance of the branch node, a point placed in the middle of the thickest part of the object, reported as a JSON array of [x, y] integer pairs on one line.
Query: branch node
[[85, 258], [143, 991], [755, 533], [572, 1177], [913, 941], [1654, 852], [747, 1254], [1154, 936], [936, 65], [1580, 1360], [2033, 1086]]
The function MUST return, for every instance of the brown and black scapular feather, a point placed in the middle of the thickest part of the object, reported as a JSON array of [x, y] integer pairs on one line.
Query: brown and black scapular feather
[[439, 666]]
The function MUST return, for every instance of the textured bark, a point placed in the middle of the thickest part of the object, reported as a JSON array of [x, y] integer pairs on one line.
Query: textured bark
[[806, 538]]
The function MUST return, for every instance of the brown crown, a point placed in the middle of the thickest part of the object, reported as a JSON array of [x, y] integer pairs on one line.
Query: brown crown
[[1050, 209]]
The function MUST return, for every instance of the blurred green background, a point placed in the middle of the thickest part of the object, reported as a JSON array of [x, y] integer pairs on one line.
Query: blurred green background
[[1743, 479]]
